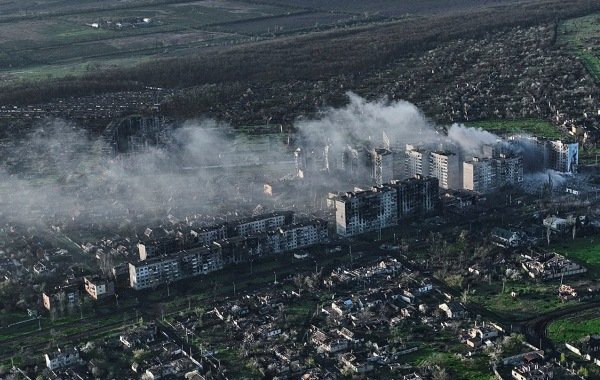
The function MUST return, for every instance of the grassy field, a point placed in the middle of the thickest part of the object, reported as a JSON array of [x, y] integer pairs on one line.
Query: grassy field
[[63, 44], [583, 250], [575, 327], [531, 299], [465, 369], [582, 35], [538, 128]]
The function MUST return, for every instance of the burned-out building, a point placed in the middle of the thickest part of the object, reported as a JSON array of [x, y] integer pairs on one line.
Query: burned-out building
[[383, 206], [563, 157], [61, 296], [547, 266], [508, 169], [366, 210], [382, 162], [98, 287], [418, 196]]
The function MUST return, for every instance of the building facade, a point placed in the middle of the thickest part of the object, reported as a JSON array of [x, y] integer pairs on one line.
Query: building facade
[[418, 196], [508, 170], [166, 269], [479, 175], [261, 223], [363, 211], [416, 162], [564, 157], [446, 167], [297, 236], [98, 287]]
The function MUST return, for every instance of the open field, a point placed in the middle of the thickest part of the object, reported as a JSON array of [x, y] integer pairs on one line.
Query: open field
[[33, 36], [68, 40], [538, 128], [531, 299], [583, 36], [390, 8], [575, 327], [585, 251]]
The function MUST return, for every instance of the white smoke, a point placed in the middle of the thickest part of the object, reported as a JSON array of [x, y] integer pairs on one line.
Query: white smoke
[[470, 140], [59, 173], [361, 120]]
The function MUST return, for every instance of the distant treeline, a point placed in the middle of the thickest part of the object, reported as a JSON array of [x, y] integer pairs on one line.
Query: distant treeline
[[312, 57]]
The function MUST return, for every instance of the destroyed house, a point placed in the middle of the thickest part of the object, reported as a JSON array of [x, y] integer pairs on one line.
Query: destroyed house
[[98, 287], [61, 296], [505, 238], [551, 265]]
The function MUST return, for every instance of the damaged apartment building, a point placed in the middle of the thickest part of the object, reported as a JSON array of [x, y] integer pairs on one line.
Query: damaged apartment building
[[486, 174], [493, 169], [359, 164], [235, 242], [384, 206]]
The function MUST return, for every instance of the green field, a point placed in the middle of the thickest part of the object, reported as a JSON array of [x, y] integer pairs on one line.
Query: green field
[[585, 251], [538, 128], [62, 44], [582, 35], [476, 368], [575, 327], [531, 299]]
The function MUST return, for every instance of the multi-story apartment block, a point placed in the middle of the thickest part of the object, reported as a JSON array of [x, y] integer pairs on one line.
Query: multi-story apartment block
[[564, 157], [296, 236], [362, 211], [382, 161], [446, 167], [416, 162], [416, 196], [508, 170], [479, 175], [261, 223], [207, 235], [165, 269]]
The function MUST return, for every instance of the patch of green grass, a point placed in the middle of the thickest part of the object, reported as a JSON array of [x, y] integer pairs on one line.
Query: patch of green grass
[[574, 327], [585, 250], [475, 368], [531, 299], [535, 127], [581, 34]]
